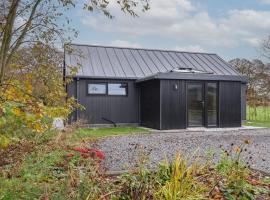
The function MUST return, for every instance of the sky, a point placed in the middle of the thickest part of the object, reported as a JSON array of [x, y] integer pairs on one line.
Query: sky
[[230, 28]]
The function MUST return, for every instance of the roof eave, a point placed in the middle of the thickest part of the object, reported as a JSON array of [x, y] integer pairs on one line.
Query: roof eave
[[102, 77], [194, 76]]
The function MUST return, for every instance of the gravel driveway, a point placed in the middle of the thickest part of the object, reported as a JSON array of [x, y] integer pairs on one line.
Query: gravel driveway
[[123, 152]]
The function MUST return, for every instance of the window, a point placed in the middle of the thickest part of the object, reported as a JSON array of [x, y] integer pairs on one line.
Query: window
[[212, 104], [117, 89], [97, 88]]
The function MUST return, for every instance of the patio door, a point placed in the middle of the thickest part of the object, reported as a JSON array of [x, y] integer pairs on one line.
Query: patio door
[[202, 104], [195, 104]]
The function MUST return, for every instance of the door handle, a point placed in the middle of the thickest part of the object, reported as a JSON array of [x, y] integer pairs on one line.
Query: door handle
[[203, 103]]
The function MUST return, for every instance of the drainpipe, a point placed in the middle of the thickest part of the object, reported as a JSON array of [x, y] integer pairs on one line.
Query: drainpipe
[[77, 96]]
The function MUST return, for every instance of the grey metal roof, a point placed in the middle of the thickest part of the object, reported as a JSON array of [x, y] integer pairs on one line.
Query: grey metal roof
[[135, 63]]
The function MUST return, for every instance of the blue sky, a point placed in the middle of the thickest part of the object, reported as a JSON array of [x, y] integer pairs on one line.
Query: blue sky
[[230, 28]]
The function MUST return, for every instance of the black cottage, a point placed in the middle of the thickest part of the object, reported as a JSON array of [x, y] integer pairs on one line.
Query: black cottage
[[158, 89]]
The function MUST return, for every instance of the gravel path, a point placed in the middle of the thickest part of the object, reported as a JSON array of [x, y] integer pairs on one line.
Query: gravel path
[[123, 152]]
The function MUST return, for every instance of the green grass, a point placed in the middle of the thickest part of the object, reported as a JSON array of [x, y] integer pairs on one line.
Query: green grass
[[103, 132], [35, 175], [259, 117], [47, 169], [257, 124]]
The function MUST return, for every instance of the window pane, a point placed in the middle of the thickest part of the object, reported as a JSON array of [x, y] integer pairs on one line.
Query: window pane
[[195, 108], [117, 89], [212, 104], [96, 88]]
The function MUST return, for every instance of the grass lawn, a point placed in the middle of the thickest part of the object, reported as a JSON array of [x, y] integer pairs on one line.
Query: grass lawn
[[258, 124], [260, 118], [103, 132]]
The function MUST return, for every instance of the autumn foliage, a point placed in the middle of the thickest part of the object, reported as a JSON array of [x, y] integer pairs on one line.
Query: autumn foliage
[[32, 95]]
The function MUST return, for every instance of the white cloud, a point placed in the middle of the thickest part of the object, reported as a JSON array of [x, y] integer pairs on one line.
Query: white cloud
[[179, 19], [189, 48], [264, 1], [125, 43]]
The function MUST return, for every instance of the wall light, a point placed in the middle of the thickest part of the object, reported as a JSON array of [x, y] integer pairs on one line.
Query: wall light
[[175, 86]]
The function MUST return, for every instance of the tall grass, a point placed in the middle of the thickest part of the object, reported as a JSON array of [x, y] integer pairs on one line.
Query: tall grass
[[180, 181]]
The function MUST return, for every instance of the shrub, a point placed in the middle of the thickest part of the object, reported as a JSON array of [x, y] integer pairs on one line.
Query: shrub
[[22, 114], [178, 180], [234, 174]]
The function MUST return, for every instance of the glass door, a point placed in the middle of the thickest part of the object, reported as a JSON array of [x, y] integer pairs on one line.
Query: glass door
[[211, 107], [202, 106], [195, 104]]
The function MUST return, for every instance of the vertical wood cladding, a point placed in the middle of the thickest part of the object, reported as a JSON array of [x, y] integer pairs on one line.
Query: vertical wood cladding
[[173, 104], [119, 109], [230, 104], [243, 101], [155, 103], [150, 104], [71, 92]]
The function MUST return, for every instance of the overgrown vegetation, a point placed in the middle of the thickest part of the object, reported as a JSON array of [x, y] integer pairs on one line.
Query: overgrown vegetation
[[56, 166]]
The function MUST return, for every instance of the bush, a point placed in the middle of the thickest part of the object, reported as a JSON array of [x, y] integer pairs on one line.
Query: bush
[[22, 115], [234, 175], [178, 180]]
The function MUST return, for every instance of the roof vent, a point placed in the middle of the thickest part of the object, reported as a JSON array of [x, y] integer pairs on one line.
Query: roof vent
[[189, 70]]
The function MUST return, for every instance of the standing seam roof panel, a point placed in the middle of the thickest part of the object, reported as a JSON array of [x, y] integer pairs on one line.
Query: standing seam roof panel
[[148, 61], [203, 65], [178, 60], [216, 67], [213, 68], [97, 66], [210, 65], [154, 59], [115, 62], [147, 70], [162, 60], [67, 63], [225, 65], [75, 62], [91, 61], [86, 61], [185, 60], [170, 60], [223, 69], [114, 69], [106, 65], [194, 62], [79, 60], [123, 69], [132, 62], [124, 63]]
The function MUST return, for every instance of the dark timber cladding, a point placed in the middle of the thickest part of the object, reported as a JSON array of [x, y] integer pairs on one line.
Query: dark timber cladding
[[150, 104], [150, 87], [118, 109], [230, 104], [173, 104]]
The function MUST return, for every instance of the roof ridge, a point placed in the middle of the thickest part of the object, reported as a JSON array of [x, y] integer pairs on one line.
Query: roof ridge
[[140, 48]]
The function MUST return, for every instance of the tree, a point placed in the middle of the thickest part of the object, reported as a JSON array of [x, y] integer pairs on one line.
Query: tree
[[265, 47], [32, 90], [258, 73], [31, 21]]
